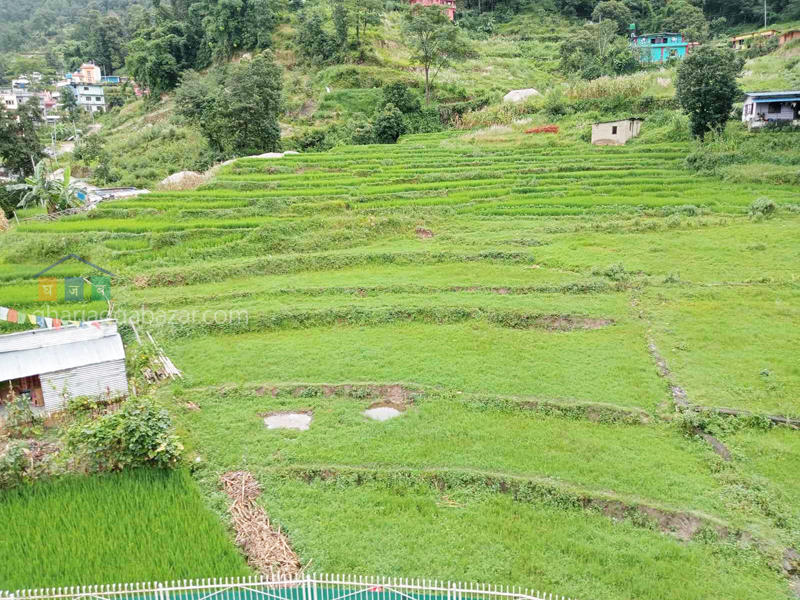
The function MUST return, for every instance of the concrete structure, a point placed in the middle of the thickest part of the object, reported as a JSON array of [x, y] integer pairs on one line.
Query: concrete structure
[[789, 36], [9, 100], [738, 42], [761, 108], [615, 133], [449, 6], [111, 80], [660, 47], [51, 366], [91, 98]]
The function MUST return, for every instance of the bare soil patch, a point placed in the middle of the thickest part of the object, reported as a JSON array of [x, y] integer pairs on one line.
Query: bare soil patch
[[301, 421], [569, 323], [423, 233], [383, 411]]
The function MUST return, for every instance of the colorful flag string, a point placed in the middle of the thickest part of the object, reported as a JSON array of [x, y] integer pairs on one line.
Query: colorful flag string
[[17, 316]]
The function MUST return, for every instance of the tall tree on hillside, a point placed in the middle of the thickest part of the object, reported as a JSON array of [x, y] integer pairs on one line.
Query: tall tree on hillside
[[613, 10], [707, 89], [157, 55], [236, 106], [435, 42], [20, 148], [235, 25], [364, 13], [68, 101], [682, 17], [105, 39]]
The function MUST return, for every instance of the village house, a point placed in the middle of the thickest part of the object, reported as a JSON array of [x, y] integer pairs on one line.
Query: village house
[[48, 367], [746, 40], [90, 98], [615, 133], [660, 47], [449, 6], [789, 36], [761, 108]]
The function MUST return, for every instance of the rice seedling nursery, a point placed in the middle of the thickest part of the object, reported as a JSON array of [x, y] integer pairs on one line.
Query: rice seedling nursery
[[542, 315]]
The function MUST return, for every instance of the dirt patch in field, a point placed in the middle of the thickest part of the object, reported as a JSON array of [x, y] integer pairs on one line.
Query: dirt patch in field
[[423, 233], [267, 549], [383, 411], [568, 323], [298, 420], [679, 395], [718, 446]]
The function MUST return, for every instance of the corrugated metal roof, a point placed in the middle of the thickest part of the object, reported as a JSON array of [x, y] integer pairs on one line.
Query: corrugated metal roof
[[38, 361], [773, 94], [40, 338]]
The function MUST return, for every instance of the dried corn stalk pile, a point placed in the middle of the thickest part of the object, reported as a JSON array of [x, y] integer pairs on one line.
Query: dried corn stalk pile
[[267, 550]]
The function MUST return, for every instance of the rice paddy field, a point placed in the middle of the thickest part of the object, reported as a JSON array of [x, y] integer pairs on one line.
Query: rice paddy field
[[528, 303]]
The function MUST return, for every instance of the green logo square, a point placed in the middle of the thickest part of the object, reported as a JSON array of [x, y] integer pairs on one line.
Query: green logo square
[[73, 289], [101, 288]]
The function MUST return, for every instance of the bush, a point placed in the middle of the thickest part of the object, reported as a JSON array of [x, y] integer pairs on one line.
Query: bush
[[388, 125], [400, 96], [13, 465], [762, 208], [138, 434]]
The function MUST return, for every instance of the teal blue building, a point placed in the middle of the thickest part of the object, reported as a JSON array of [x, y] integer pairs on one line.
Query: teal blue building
[[660, 47]]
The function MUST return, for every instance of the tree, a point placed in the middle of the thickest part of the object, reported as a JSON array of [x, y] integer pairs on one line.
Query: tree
[[43, 190], [314, 42], [434, 41], [68, 101], [398, 95], [236, 25], [615, 11], [706, 87], [20, 147], [237, 106], [388, 125], [364, 13], [682, 17], [597, 50]]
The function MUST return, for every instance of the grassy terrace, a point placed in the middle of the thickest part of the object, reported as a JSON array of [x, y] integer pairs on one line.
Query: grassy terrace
[[511, 286]]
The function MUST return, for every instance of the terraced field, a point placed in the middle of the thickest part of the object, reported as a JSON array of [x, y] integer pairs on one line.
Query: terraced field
[[536, 307]]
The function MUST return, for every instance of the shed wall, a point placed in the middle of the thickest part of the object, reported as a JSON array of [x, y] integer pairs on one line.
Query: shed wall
[[90, 380]]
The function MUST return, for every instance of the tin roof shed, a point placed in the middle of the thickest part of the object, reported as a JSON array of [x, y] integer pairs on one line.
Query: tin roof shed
[[70, 362]]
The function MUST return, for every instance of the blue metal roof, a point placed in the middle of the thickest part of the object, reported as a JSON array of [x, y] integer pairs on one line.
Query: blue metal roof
[[781, 94], [777, 99]]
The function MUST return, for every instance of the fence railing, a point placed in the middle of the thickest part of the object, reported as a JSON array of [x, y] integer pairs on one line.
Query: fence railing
[[304, 587]]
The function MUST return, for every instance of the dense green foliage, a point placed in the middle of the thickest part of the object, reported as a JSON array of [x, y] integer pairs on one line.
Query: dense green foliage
[[707, 88], [236, 107], [20, 147]]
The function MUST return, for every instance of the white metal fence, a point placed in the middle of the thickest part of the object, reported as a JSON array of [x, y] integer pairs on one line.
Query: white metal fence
[[304, 587]]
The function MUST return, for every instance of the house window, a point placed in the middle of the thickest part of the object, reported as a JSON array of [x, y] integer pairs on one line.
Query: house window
[[652, 40], [85, 89], [99, 99], [774, 108], [614, 130]]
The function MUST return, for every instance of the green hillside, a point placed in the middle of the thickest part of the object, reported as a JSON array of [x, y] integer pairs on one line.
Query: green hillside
[[514, 293]]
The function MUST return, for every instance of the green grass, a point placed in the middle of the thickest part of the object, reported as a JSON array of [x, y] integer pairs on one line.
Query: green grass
[[479, 535], [137, 526], [428, 263]]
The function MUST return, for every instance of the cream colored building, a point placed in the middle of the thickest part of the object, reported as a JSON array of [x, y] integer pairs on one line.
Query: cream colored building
[[615, 133]]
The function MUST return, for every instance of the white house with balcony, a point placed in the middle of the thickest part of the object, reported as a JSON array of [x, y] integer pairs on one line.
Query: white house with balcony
[[91, 98], [762, 108]]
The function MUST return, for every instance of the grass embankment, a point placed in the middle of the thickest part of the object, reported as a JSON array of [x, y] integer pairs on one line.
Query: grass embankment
[[527, 273], [138, 526]]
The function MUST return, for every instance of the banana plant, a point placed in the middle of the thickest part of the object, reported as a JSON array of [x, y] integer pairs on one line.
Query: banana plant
[[43, 190]]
